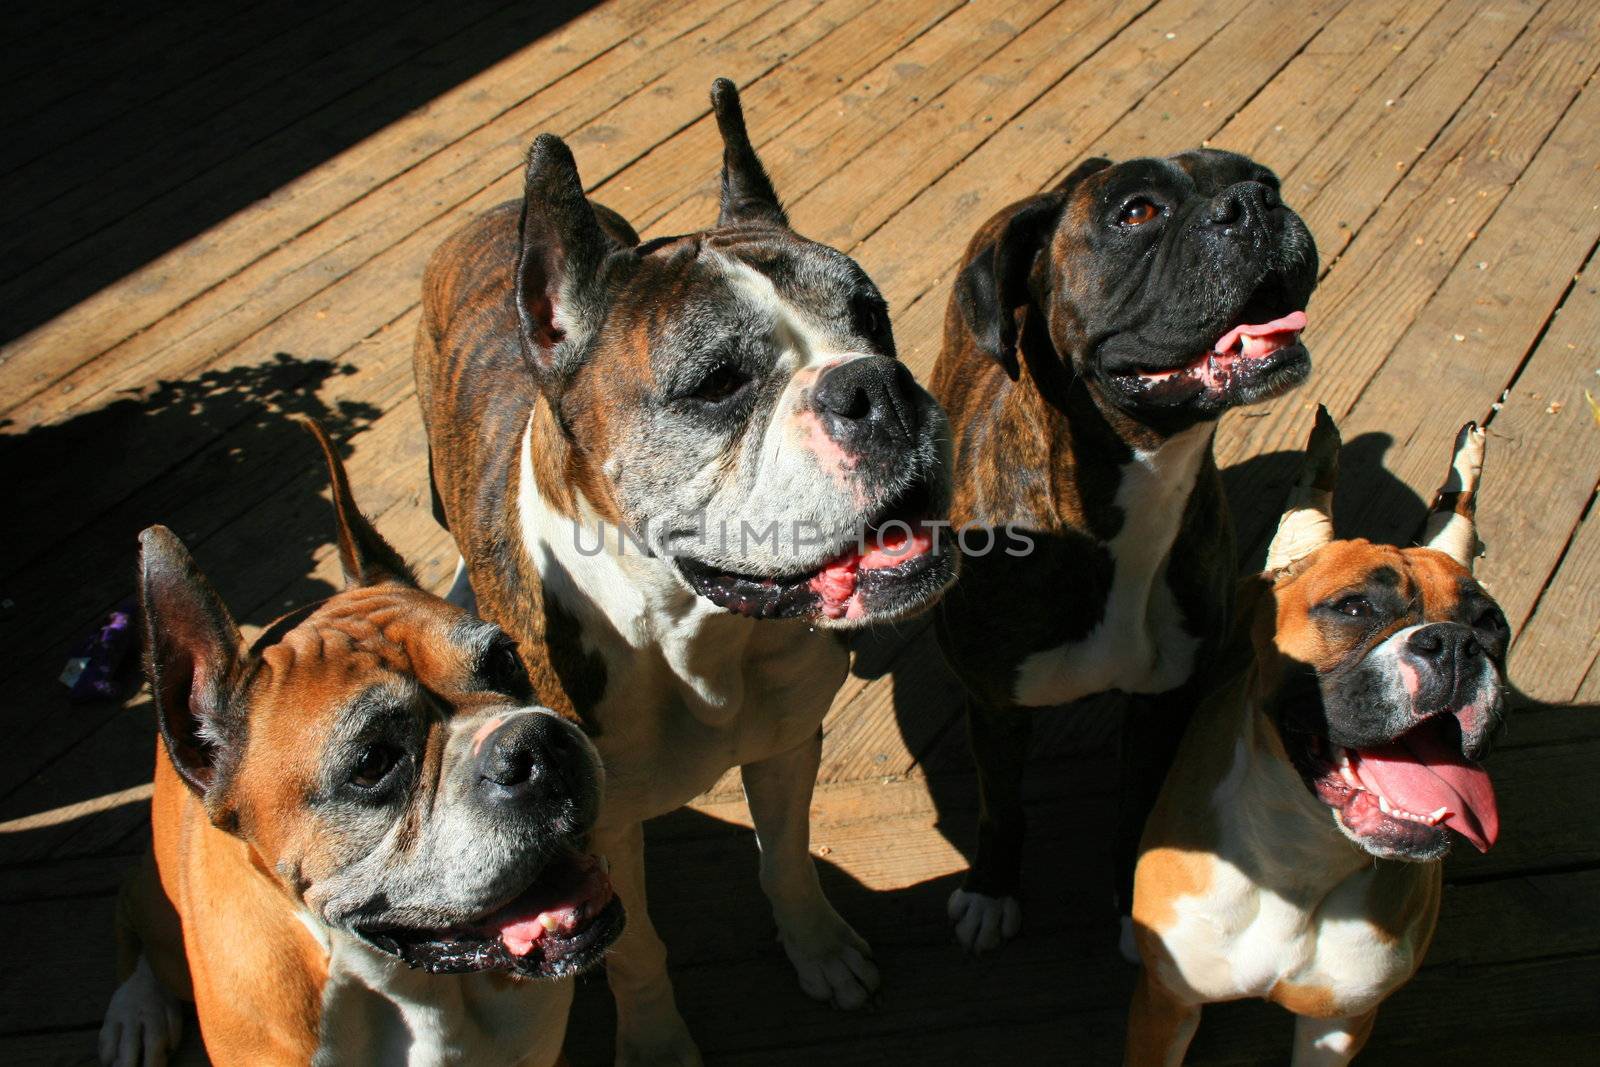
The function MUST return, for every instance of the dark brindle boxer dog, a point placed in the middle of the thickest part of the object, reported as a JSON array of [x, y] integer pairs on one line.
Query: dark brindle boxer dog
[[1294, 852], [1095, 334], [668, 466], [366, 841]]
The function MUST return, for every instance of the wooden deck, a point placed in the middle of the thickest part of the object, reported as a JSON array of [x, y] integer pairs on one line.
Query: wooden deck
[[195, 252]]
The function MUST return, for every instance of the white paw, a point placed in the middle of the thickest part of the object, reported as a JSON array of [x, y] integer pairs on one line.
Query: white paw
[[1125, 942], [983, 922], [143, 1022], [831, 960]]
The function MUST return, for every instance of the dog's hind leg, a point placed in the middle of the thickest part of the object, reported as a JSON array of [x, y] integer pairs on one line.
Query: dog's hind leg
[[1160, 1026], [987, 909], [144, 1021], [649, 1028], [831, 959], [1330, 1042]]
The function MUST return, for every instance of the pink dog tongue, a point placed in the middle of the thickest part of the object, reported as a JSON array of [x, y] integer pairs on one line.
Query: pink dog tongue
[[1421, 774], [1291, 323]]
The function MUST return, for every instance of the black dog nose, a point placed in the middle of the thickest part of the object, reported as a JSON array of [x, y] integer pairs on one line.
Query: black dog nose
[[867, 398], [1242, 202], [529, 759], [1426, 643], [1445, 645]]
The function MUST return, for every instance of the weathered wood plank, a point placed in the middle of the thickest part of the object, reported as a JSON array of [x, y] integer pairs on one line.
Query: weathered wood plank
[[271, 240], [1544, 458], [1389, 274], [1556, 653]]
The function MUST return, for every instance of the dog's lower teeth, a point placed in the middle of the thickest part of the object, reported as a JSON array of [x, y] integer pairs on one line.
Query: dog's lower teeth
[[1383, 805]]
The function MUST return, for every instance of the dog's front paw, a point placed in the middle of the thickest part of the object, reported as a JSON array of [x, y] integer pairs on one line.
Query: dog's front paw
[[143, 1023], [983, 922], [659, 1041], [831, 960]]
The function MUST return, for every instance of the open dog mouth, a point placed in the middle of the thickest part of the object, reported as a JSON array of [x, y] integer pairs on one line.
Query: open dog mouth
[[1250, 348], [893, 566], [1399, 799], [560, 925]]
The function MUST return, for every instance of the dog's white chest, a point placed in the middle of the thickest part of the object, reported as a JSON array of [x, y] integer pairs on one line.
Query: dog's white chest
[[1139, 645], [377, 1010], [663, 742], [690, 689], [1283, 915]]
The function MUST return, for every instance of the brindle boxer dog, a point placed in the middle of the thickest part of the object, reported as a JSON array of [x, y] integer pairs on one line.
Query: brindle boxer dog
[[1294, 853], [368, 845], [669, 467], [1095, 334]]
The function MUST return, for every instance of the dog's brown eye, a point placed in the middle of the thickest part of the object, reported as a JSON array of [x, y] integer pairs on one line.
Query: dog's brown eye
[[720, 384], [373, 765], [1356, 607], [1138, 212], [502, 668], [1490, 620]]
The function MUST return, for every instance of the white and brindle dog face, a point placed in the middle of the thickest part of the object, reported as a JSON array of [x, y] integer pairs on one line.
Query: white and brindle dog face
[[1386, 675], [734, 399], [380, 754]]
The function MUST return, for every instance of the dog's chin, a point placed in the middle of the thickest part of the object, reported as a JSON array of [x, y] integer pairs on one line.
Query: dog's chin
[[1208, 385], [897, 565], [559, 926]]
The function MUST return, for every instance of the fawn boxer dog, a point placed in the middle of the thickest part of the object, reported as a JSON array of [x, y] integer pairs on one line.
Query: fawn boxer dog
[[369, 846], [1095, 334], [1294, 852], [670, 467]]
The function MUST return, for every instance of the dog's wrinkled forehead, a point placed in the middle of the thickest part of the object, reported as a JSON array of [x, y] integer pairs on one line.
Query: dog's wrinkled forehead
[[700, 296], [1200, 173], [1349, 595], [328, 654], [1213, 170], [1426, 581]]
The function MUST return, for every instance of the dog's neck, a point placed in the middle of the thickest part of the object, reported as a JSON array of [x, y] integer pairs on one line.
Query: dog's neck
[[1274, 823], [630, 605], [1091, 445], [375, 1009]]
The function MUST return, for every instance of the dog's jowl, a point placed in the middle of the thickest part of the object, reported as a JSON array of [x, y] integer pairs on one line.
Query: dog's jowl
[[369, 845], [1293, 854], [1095, 334], [670, 467]]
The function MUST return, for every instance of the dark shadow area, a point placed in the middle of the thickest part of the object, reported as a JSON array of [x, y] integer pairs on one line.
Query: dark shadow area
[[1048, 999], [1496, 926], [928, 702], [131, 127], [221, 463]]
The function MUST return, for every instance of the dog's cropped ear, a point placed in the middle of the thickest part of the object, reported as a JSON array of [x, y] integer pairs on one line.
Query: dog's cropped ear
[[1452, 525], [748, 198], [561, 249], [365, 557], [993, 286], [194, 657], [1307, 522]]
